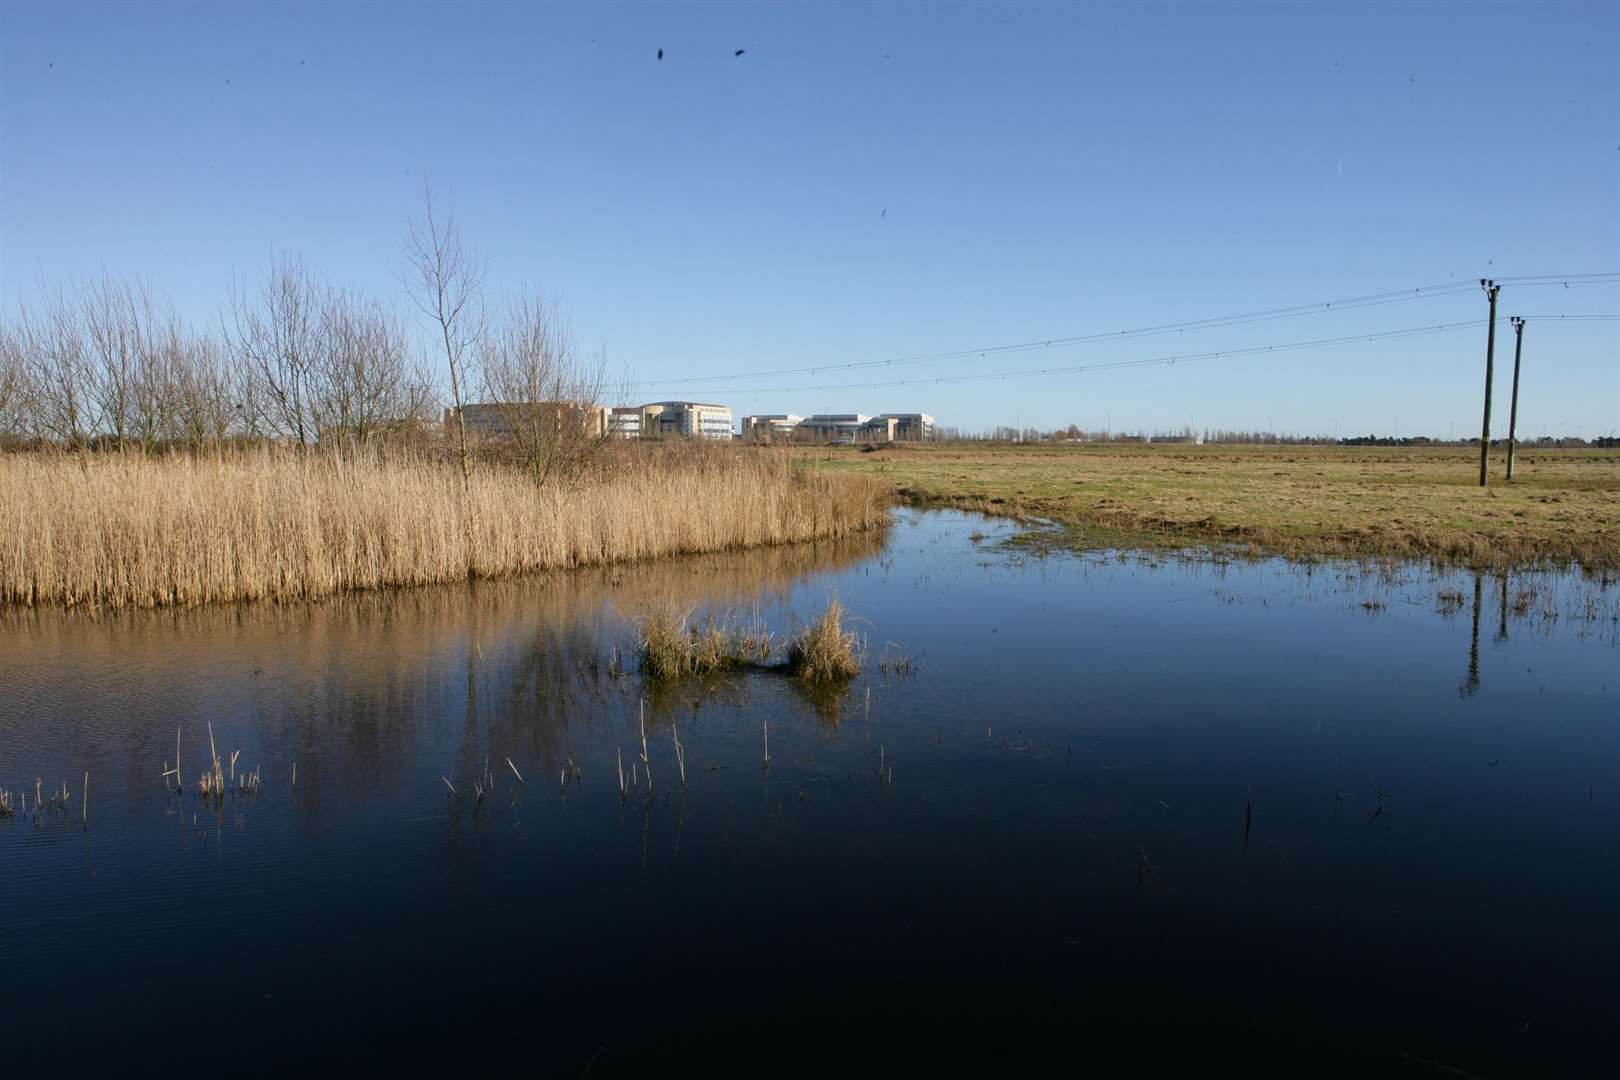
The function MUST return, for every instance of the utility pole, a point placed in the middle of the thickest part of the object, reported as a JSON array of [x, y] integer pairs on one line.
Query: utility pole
[[1513, 410], [1491, 289]]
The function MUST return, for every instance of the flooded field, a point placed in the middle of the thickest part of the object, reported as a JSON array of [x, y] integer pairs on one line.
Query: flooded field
[[1137, 813]]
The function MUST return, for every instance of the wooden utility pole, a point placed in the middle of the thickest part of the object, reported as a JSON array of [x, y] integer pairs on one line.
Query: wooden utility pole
[[1513, 410], [1491, 289]]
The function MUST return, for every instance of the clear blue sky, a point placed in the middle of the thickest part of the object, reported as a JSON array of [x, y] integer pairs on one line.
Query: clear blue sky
[[868, 182]]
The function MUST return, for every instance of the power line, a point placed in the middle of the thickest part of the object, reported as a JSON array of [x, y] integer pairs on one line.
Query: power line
[[1171, 360], [1141, 362], [1422, 292], [1558, 278]]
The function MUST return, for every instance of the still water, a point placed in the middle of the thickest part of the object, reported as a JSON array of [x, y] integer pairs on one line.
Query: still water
[[1127, 812]]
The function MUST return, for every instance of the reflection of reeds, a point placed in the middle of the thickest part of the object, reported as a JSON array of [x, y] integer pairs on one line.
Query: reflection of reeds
[[680, 754]]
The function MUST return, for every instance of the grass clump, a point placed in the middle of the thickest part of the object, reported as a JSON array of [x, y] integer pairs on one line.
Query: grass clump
[[673, 646], [825, 651]]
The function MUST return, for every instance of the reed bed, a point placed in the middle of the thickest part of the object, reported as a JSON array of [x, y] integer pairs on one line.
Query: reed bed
[[143, 531]]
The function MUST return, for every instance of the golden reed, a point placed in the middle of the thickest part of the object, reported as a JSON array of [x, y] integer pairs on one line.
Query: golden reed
[[128, 530]]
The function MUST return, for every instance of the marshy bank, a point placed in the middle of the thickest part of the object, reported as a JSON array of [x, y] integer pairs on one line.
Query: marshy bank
[[1562, 509], [133, 530]]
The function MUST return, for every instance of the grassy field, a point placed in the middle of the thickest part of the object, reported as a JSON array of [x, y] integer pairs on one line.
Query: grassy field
[[1563, 506], [116, 530]]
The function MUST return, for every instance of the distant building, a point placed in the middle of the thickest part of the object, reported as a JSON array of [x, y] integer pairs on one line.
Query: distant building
[[624, 422], [670, 419], [833, 427], [879, 429], [772, 427], [844, 428], [912, 427]]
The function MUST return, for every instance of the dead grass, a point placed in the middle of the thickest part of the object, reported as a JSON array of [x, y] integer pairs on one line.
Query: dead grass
[[672, 646], [114, 530], [825, 651], [1563, 507]]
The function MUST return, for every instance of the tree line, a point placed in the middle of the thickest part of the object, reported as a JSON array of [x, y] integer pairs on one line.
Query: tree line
[[103, 363]]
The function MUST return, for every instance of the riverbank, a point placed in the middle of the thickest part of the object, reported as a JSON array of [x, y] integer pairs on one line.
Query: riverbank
[[149, 531], [1562, 508]]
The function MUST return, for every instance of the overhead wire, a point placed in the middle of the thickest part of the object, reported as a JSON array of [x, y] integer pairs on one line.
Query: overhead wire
[[1421, 292], [1173, 359]]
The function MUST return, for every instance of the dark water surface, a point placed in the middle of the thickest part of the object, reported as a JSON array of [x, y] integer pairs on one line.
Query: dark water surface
[[1144, 816]]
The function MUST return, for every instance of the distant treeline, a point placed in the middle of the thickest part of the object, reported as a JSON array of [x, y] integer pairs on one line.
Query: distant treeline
[[104, 363]]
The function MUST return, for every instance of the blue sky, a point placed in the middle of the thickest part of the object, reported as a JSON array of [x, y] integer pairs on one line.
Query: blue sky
[[870, 182]]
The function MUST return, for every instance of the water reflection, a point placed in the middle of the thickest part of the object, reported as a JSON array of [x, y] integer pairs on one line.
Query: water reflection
[[1114, 776], [1470, 683]]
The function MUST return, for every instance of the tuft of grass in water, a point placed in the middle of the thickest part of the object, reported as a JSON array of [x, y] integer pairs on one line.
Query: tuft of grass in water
[[666, 647], [894, 660], [825, 651], [672, 646]]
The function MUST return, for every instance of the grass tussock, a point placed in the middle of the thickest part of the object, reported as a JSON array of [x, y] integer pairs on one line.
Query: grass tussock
[[145, 531], [672, 646], [826, 651]]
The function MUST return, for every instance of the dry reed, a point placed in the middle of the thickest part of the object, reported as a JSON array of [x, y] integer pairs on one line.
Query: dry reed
[[116, 531], [672, 646], [825, 651]]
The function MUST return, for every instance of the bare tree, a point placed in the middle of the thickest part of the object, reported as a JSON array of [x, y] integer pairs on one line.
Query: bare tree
[[550, 399], [112, 332], [11, 382], [446, 281], [206, 403], [58, 373], [279, 342], [368, 379]]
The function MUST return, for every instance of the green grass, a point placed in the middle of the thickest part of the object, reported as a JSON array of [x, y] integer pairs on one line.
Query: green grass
[[1562, 507]]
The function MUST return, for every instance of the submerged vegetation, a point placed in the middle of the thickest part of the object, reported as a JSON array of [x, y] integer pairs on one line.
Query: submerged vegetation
[[132, 530]]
